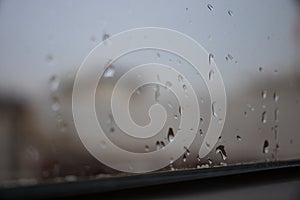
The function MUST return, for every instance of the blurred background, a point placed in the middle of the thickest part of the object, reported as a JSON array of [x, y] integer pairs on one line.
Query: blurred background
[[256, 46]]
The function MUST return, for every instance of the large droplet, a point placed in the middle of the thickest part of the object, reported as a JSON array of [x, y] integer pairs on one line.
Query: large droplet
[[171, 135], [221, 150], [266, 147]]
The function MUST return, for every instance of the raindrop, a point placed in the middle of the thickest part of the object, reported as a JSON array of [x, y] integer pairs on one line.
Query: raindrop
[[55, 104], [250, 107], [138, 92], [264, 94], [187, 151], [210, 162], [180, 78], [230, 56], [54, 83], [264, 117], [266, 147], [230, 13], [210, 75], [200, 132], [157, 145], [158, 55], [238, 138], [221, 150], [112, 129], [276, 111], [146, 148], [160, 145], [198, 158], [105, 36], [109, 72], [179, 110], [210, 7], [275, 97], [260, 69], [175, 116], [184, 87], [171, 135], [213, 108], [184, 158], [210, 58]]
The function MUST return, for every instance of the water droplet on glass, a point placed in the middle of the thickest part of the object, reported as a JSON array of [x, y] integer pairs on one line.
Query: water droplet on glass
[[171, 135], [221, 150], [230, 56], [260, 69], [264, 94], [210, 162], [54, 83], [146, 148], [180, 78], [157, 145], [266, 147], [184, 158], [187, 151], [55, 104], [250, 107], [230, 13], [238, 138], [210, 58], [210, 7], [210, 75], [275, 97], [138, 92], [264, 117], [213, 109], [200, 132], [276, 112], [158, 55], [109, 72], [105, 36]]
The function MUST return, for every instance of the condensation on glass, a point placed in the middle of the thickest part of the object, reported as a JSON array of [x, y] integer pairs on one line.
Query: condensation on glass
[[256, 45]]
